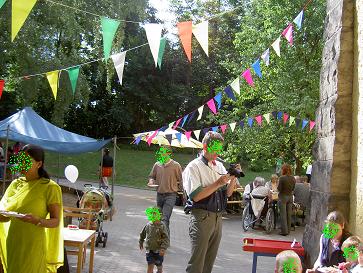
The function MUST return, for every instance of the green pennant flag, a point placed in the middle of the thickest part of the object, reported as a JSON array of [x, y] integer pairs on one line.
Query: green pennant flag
[[161, 50], [73, 77], [2, 2], [109, 28]]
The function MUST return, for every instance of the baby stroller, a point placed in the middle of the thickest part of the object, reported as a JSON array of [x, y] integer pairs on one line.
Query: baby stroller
[[100, 201]]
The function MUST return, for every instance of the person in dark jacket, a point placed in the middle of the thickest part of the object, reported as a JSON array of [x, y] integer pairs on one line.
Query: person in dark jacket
[[107, 165], [286, 188]]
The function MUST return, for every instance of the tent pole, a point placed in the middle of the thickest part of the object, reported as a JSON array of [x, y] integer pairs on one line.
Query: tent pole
[[6, 157], [101, 166], [58, 168]]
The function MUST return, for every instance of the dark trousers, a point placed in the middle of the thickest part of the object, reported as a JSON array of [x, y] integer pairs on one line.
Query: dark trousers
[[166, 202], [285, 204]]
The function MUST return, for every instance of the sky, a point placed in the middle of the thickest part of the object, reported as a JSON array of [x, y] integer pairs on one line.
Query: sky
[[165, 15]]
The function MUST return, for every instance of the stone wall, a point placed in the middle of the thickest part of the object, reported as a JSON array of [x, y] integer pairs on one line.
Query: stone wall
[[331, 177]]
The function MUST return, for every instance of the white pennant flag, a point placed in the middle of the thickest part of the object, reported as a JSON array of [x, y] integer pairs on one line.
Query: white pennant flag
[[153, 34], [200, 32], [276, 46], [267, 117], [266, 57], [119, 63], [196, 133], [232, 125], [200, 110], [235, 85]]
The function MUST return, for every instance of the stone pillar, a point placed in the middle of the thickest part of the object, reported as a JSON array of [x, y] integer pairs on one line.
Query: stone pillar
[[331, 176]]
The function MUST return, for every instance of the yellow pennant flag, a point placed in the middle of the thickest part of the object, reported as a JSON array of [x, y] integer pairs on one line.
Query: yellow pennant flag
[[20, 10], [267, 117], [53, 81]]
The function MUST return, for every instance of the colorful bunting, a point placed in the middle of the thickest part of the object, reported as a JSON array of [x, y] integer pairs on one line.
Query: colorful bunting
[[196, 133], [161, 50], [297, 122], [200, 32], [178, 136], [266, 57], [232, 125], [2, 2], [150, 138], [20, 10], [200, 111], [169, 138], [73, 77], [176, 123], [259, 119], [215, 128], [274, 114], [248, 77], [191, 116], [229, 92], [163, 129], [311, 125], [171, 124], [218, 99], [119, 63], [185, 33], [2, 84], [109, 28], [137, 140], [285, 118], [276, 46], [299, 19], [257, 68], [304, 123], [205, 130], [250, 122], [267, 117], [188, 134], [288, 33], [153, 34], [241, 124], [292, 120], [212, 106], [223, 128], [53, 81], [279, 115], [235, 85], [184, 120]]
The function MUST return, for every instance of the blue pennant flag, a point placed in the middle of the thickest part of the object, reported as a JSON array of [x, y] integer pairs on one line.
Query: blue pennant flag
[[162, 129], [241, 124], [218, 99], [250, 121], [184, 120], [178, 136], [205, 130], [298, 20], [256, 66], [191, 116], [304, 123], [137, 140], [215, 128], [297, 122], [229, 92], [279, 115], [274, 114]]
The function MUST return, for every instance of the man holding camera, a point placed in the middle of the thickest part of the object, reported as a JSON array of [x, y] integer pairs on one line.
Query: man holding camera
[[208, 185]]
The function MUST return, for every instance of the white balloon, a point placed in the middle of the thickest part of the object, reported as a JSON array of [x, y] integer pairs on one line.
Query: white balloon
[[71, 173]]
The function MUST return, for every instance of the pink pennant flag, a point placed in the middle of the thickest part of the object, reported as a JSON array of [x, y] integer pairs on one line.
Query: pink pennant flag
[[259, 119], [248, 77], [176, 123], [188, 134], [151, 137], [288, 33], [2, 84], [312, 124], [223, 128], [285, 118], [212, 106]]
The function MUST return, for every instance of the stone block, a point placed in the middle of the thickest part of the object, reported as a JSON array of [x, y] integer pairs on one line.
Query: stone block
[[320, 176], [323, 148]]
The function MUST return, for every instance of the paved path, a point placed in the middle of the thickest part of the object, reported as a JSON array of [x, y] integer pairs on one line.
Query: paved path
[[122, 255]]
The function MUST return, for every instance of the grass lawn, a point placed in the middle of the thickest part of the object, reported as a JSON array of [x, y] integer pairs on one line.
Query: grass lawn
[[132, 166]]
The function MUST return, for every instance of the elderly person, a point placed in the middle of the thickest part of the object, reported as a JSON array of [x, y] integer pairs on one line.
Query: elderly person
[[272, 186], [288, 261]]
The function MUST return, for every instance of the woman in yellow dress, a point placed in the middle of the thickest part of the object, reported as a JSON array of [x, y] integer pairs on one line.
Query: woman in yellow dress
[[33, 242]]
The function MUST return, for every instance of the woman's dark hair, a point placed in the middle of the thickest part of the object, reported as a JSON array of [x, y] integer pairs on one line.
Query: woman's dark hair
[[107, 151], [37, 153]]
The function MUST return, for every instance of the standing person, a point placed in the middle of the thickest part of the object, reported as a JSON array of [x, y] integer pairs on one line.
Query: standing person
[[32, 242], [308, 172], [156, 240], [107, 165], [167, 175], [205, 182], [286, 188], [279, 162]]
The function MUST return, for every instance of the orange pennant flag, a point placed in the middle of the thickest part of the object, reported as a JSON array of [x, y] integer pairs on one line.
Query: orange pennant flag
[[185, 33]]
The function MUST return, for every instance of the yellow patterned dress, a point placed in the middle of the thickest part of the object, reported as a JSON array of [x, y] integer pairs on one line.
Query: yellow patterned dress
[[25, 247]]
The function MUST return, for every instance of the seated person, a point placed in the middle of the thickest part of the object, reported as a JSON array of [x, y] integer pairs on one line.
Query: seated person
[[353, 252], [260, 189], [288, 261], [249, 188], [330, 253], [272, 186]]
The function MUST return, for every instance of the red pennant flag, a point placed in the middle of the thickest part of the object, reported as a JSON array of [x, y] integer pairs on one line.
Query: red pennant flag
[[212, 106], [188, 134], [285, 118], [2, 84], [185, 33], [312, 124], [259, 119], [151, 137], [248, 77], [288, 33], [223, 128], [176, 123]]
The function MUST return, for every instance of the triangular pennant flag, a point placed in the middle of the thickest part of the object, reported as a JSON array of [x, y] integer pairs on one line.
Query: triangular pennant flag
[[109, 28], [184, 120], [250, 122], [188, 134], [73, 77], [200, 32], [169, 138], [218, 99], [176, 123], [304, 123], [200, 110], [161, 50], [171, 124], [150, 138], [53, 81], [299, 19], [137, 140], [2, 2], [212, 106], [20, 10], [205, 130], [292, 120], [235, 85], [232, 125], [215, 128], [266, 57], [119, 63], [223, 128], [185, 33], [297, 122], [259, 119], [248, 77], [257, 68], [285, 118], [274, 114], [267, 117], [196, 133], [311, 125], [279, 115], [241, 124], [162, 129], [191, 116], [153, 34], [178, 136], [276, 46], [288, 33], [229, 92], [2, 84]]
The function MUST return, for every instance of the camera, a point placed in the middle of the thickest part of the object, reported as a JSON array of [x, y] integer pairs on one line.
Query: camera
[[232, 170]]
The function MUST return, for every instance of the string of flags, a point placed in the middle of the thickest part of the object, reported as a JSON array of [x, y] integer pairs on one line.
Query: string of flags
[[286, 119]]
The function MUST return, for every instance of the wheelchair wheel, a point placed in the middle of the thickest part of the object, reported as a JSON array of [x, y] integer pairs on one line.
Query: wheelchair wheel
[[247, 218], [270, 220]]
